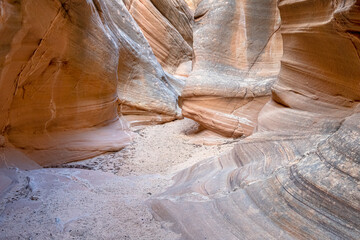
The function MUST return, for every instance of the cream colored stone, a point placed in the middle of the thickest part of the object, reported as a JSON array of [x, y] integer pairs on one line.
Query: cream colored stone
[[237, 51]]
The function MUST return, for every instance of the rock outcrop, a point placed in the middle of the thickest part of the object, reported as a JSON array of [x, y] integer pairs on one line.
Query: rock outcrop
[[237, 51], [297, 177], [65, 66]]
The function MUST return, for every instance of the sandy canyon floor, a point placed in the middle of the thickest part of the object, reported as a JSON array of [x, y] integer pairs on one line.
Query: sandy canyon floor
[[106, 197]]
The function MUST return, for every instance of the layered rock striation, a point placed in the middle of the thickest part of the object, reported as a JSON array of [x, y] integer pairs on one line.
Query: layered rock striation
[[167, 25], [320, 69], [70, 69], [64, 68], [297, 177], [237, 51]]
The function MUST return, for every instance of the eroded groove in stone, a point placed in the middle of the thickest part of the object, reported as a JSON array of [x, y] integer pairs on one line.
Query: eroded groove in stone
[[237, 50]]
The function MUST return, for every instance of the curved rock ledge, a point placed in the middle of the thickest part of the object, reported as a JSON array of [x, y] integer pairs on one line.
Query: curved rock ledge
[[237, 51]]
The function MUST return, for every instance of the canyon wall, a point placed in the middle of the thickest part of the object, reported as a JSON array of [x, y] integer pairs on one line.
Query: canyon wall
[[237, 51], [297, 177], [66, 67], [167, 25], [193, 4], [69, 70], [320, 69]]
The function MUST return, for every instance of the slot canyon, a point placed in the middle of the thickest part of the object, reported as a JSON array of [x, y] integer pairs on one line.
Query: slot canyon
[[179, 119]]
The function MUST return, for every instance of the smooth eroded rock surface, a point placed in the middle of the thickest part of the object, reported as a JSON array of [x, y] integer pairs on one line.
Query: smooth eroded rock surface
[[237, 50], [69, 70], [320, 69], [65, 66], [298, 176], [167, 25]]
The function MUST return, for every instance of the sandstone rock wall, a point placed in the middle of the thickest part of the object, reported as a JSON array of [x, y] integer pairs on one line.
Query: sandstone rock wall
[[237, 50], [147, 94], [298, 176], [320, 69], [64, 68], [167, 25], [193, 4]]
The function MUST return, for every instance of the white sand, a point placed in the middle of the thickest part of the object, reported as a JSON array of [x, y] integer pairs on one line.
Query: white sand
[[107, 200]]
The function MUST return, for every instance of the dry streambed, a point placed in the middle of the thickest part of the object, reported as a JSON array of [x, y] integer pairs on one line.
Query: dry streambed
[[104, 197]]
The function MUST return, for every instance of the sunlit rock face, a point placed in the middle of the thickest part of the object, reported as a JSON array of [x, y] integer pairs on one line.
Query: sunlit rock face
[[147, 94], [297, 177], [167, 25], [193, 4], [237, 51], [65, 66]]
